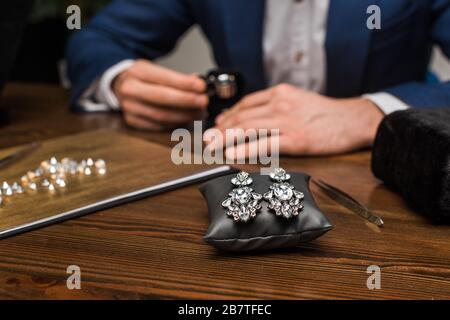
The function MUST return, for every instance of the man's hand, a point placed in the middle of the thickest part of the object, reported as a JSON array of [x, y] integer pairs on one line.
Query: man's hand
[[155, 98], [309, 124]]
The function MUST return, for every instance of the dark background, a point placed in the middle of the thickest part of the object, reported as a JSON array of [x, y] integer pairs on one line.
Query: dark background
[[41, 51]]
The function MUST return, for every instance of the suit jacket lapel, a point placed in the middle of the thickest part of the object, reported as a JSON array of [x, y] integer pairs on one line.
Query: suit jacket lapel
[[347, 43], [347, 46], [244, 36]]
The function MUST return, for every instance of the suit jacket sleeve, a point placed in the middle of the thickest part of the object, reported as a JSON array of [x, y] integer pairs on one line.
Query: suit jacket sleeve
[[125, 29], [426, 95]]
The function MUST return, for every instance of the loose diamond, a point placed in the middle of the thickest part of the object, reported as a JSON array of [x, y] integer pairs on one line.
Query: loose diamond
[[80, 169], [32, 186], [52, 174], [31, 175], [72, 170], [60, 182], [45, 164], [38, 172], [100, 163], [8, 192]]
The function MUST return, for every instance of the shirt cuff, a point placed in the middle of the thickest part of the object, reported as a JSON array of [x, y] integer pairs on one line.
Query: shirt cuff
[[100, 96], [386, 102]]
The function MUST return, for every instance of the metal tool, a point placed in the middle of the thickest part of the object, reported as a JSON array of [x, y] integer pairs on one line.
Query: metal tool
[[224, 85], [348, 202], [19, 154], [121, 199]]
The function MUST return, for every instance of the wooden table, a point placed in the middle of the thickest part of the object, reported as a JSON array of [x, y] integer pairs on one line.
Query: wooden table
[[153, 248]]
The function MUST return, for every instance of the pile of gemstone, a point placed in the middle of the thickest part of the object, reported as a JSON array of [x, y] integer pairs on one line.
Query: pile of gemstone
[[52, 175]]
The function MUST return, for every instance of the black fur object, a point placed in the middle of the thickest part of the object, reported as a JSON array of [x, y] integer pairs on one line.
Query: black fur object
[[412, 156]]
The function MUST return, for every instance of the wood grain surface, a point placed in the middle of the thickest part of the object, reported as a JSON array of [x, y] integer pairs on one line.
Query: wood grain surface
[[132, 164], [153, 248]]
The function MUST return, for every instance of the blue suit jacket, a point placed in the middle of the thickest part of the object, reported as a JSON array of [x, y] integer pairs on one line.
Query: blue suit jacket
[[394, 59]]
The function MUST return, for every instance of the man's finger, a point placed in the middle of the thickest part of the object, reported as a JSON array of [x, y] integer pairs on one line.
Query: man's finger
[[161, 115], [235, 118], [263, 147], [149, 72], [249, 101], [160, 95], [271, 146], [255, 99], [264, 122], [242, 132]]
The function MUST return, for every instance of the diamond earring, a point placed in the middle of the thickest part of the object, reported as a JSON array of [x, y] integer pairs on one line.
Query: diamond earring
[[242, 204], [283, 199]]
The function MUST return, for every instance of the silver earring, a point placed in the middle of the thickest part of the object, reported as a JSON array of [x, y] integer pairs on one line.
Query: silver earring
[[242, 204], [283, 199]]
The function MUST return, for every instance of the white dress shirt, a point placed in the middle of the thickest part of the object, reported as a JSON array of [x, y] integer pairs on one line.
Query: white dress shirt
[[293, 48]]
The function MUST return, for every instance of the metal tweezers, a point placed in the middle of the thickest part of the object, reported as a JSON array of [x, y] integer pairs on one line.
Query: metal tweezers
[[348, 202]]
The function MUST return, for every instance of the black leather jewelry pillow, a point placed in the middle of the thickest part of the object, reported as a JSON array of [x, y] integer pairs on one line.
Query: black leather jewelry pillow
[[266, 230]]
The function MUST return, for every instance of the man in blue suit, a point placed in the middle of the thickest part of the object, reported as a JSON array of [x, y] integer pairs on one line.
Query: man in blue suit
[[314, 68]]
